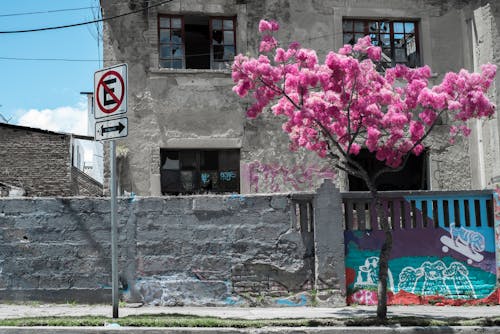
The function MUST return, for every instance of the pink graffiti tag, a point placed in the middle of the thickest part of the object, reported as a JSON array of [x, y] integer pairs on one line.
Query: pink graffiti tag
[[275, 175]]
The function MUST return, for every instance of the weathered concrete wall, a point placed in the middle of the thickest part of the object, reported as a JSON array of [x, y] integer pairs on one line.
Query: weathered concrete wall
[[485, 31], [197, 109], [36, 161], [199, 250]]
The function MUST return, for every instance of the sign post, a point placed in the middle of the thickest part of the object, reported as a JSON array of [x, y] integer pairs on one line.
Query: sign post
[[110, 100]]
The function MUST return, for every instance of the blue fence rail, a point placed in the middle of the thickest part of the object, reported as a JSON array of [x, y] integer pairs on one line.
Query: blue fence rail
[[420, 209]]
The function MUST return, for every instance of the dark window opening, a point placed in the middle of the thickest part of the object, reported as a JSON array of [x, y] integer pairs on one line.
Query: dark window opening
[[196, 42], [412, 177], [398, 39], [199, 171]]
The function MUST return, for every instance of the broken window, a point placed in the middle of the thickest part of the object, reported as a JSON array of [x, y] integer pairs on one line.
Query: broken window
[[199, 171], [412, 177], [398, 39], [196, 42]]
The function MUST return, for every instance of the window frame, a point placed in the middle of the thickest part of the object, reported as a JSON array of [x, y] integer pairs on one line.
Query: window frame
[[233, 18], [197, 186], [366, 23], [211, 30], [183, 39]]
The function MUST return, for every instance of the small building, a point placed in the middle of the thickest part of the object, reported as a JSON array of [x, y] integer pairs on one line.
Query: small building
[[36, 162]]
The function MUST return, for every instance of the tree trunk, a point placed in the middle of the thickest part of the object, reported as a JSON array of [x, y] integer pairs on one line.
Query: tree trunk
[[385, 252]]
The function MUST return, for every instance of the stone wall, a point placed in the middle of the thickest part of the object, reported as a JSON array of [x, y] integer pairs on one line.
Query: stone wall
[[198, 250], [35, 160]]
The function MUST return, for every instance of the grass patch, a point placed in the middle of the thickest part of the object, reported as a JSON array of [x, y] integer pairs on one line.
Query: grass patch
[[177, 320]]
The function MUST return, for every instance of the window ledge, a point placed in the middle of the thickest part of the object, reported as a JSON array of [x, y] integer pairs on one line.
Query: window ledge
[[188, 71]]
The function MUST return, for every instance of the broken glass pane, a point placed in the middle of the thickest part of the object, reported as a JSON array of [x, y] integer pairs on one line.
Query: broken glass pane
[[164, 35], [228, 24], [348, 39], [359, 26], [409, 27], [347, 25], [217, 24], [164, 22], [228, 37], [400, 55], [176, 22], [216, 37], [177, 63], [176, 36], [218, 52], [398, 27], [229, 52], [187, 180]]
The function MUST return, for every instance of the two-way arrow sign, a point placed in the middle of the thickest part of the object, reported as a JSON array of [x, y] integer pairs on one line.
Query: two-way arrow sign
[[114, 128]]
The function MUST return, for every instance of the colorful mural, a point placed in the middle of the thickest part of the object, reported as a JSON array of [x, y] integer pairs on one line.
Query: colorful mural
[[496, 217], [431, 264]]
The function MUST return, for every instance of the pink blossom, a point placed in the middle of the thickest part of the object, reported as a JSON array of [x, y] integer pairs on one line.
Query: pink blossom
[[268, 43], [345, 50], [374, 53], [346, 101], [264, 26]]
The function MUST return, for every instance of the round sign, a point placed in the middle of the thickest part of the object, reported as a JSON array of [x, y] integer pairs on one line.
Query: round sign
[[116, 97]]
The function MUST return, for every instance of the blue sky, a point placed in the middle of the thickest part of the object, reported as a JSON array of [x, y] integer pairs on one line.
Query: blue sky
[[42, 93]]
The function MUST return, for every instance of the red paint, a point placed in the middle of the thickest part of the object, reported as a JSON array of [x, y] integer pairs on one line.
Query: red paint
[[368, 297], [350, 275]]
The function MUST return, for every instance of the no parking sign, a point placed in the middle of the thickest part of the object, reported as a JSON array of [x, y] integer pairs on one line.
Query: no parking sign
[[110, 91]]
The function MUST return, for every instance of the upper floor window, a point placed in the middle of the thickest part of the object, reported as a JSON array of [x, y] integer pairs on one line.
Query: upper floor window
[[398, 39], [196, 42]]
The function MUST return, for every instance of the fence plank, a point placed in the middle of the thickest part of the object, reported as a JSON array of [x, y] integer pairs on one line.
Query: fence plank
[[348, 210], [472, 212], [451, 211], [361, 214], [430, 212], [440, 212], [417, 213], [396, 209], [483, 211], [407, 215], [461, 209]]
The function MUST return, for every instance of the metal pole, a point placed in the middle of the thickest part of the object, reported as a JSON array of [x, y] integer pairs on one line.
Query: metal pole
[[114, 232]]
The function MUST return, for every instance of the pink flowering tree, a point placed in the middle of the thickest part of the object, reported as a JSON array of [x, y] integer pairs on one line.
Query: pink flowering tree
[[337, 107]]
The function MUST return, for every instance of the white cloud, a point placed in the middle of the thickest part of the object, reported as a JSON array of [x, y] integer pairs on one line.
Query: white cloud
[[61, 119]]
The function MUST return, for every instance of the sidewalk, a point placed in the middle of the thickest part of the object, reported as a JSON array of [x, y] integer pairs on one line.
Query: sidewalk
[[436, 312]]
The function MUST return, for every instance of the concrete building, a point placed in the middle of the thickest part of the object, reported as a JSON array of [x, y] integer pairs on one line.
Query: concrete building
[[35, 162], [187, 129]]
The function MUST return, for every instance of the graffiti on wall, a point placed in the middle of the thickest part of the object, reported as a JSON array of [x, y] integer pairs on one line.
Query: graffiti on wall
[[435, 278], [367, 276], [276, 177], [455, 266], [466, 242], [496, 217]]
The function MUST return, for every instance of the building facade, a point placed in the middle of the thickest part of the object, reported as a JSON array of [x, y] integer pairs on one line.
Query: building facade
[[35, 163], [187, 129]]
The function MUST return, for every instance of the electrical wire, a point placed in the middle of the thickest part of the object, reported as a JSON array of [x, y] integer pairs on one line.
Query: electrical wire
[[46, 11], [87, 22]]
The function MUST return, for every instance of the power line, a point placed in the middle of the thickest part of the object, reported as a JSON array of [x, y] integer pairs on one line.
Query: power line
[[48, 59], [46, 11], [85, 23]]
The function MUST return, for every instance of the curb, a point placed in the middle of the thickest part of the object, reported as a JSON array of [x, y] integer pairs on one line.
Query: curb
[[274, 330]]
